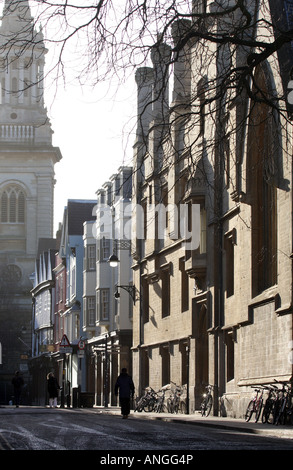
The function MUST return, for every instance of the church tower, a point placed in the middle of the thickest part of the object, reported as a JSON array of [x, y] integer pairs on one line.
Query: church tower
[[27, 159], [27, 156]]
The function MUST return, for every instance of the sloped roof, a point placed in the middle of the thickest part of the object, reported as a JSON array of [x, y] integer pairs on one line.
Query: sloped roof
[[78, 212], [45, 260], [46, 244]]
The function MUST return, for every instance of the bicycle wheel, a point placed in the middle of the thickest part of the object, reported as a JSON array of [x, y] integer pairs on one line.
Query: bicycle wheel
[[266, 412], [249, 411], [149, 406], [183, 407], [163, 408], [281, 415], [209, 406], [203, 406], [258, 409], [276, 411], [176, 406], [139, 406], [157, 406], [169, 406]]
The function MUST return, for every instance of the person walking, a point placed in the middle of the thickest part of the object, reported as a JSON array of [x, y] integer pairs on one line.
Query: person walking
[[17, 383], [125, 385], [53, 388]]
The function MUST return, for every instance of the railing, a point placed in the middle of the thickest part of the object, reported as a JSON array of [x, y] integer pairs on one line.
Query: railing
[[16, 133]]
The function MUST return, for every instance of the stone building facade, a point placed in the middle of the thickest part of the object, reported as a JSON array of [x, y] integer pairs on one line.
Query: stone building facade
[[217, 311]]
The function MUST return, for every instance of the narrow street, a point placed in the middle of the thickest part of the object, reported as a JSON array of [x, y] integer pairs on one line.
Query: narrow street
[[33, 428]]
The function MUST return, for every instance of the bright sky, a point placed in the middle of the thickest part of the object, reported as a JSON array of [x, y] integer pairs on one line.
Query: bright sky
[[94, 128], [94, 131]]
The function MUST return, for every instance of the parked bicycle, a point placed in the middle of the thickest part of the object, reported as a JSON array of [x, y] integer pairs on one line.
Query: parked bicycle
[[147, 401], [160, 406], [283, 410], [207, 402], [269, 405], [255, 405], [174, 399]]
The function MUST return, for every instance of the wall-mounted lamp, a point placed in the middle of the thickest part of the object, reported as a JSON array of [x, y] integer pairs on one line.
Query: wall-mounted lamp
[[113, 260], [130, 289]]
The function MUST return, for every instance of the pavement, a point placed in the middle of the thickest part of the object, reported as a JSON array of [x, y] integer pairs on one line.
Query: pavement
[[227, 423], [232, 424]]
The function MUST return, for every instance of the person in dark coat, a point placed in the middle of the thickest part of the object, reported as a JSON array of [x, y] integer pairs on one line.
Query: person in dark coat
[[125, 385], [53, 388], [17, 383]]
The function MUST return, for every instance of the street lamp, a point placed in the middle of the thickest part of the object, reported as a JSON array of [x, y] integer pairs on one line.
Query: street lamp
[[130, 289], [113, 260]]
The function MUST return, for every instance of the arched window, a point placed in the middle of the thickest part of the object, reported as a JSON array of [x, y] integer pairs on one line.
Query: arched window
[[4, 207], [12, 205]]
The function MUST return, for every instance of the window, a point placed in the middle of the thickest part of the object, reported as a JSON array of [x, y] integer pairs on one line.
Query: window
[[105, 249], [91, 257], [229, 242], [144, 206], [4, 207], [12, 205], [145, 300], [184, 286], [165, 354], [192, 227], [201, 91], [14, 85], [230, 355], [262, 169], [91, 310], [163, 218], [165, 283], [103, 306], [73, 281]]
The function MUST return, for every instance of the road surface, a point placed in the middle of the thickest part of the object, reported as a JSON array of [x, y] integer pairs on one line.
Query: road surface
[[46, 429]]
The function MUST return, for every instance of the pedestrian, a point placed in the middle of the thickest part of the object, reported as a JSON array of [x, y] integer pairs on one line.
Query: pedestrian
[[17, 383], [125, 385], [53, 388]]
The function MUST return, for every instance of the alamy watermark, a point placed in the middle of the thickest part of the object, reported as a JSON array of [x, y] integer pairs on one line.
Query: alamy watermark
[[128, 221]]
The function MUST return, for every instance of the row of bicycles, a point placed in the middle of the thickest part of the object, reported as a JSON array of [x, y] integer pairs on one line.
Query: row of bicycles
[[169, 399], [272, 404]]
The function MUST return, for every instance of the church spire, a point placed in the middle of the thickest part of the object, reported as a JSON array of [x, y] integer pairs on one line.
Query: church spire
[[16, 17]]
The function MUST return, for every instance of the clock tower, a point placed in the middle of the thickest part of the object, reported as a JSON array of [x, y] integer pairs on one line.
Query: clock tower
[[27, 159]]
